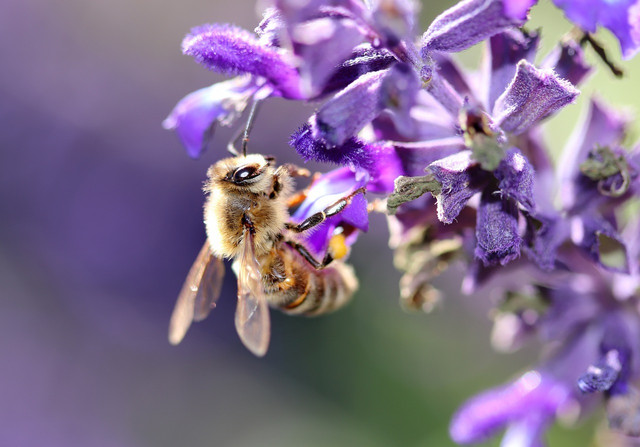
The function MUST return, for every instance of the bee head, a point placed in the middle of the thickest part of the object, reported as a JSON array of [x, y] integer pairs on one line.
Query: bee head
[[244, 172]]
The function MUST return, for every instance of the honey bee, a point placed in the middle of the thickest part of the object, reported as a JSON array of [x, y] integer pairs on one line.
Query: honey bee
[[246, 216]]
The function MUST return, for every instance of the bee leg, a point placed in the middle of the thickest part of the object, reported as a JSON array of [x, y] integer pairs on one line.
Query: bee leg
[[295, 171], [309, 257], [321, 216], [291, 170]]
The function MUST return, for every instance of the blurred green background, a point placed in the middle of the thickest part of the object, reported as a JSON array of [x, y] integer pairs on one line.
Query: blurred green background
[[101, 219]]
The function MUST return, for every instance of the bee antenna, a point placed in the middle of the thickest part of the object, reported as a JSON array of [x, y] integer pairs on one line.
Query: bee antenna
[[252, 115], [231, 146]]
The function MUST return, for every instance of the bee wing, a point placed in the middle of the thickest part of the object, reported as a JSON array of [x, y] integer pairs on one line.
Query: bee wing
[[198, 295], [252, 314]]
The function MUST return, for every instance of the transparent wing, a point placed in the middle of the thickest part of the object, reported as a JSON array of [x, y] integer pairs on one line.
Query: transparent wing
[[252, 314], [198, 295]]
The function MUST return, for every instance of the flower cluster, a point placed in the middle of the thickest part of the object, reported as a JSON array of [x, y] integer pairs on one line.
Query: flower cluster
[[461, 162]]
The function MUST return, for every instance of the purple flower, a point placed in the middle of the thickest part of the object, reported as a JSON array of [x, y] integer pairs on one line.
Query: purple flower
[[526, 407], [394, 91], [195, 116], [621, 17], [470, 22], [232, 50], [531, 96], [590, 187]]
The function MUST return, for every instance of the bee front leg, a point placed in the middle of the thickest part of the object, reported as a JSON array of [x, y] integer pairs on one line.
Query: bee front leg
[[295, 171], [292, 171], [321, 216], [309, 257]]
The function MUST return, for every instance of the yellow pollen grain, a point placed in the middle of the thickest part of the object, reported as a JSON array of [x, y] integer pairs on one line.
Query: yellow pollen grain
[[338, 246]]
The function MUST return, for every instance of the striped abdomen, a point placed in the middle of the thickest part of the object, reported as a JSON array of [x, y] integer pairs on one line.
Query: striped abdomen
[[296, 287]]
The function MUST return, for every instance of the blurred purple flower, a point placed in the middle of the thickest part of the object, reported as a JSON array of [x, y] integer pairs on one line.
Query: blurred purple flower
[[526, 407], [621, 17]]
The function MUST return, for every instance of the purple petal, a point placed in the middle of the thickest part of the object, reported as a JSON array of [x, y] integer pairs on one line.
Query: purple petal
[[518, 9], [363, 59], [527, 432], [586, 232], [443, 92], [344, 115], [380, 161], [271, 28], [322, 35], [415, 156], [398, 96], [460, 178], [322, 45], [295, 11], [394, 20], [328, 189], [195, 116], [232, 50], [532, 95], [454, 74], [430, 122], [505, 51], [515, 174], [482, 416], [567, 60], [573, 304], [469, 22], [619, 16], [497, 230], [544, 236]]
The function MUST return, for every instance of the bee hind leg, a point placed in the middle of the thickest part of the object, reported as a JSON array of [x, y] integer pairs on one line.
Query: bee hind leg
[[321, 216]]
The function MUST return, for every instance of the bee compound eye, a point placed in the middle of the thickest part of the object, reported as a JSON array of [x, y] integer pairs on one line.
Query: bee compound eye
[[245, 173]]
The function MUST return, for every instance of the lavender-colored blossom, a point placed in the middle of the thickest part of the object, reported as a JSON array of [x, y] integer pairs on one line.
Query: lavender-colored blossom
[[516, 175], [604, 127], [621, 17], [470, 22], [567, 60], [497, 230], [448, 33], [460, 178], [532, 95], [532, 400], [233, 50], [347, 112], [195, 116], [380, 163], [504, 52]]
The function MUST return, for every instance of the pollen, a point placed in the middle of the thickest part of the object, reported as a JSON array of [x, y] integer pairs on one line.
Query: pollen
[[338, 246]]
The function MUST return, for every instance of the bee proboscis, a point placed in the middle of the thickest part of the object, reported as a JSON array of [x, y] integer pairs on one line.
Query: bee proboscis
[[246, 217]]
